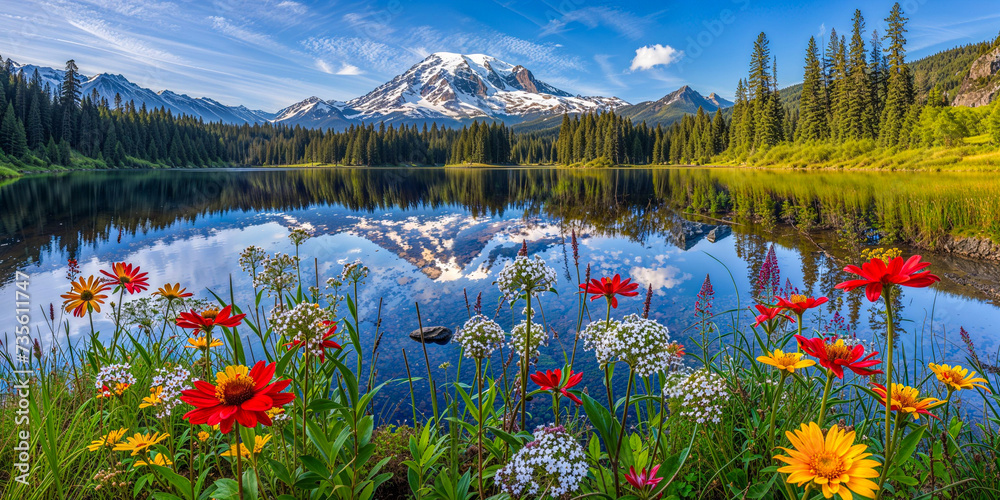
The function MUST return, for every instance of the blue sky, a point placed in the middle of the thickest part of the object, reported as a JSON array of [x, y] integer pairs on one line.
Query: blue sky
[[269, 54]]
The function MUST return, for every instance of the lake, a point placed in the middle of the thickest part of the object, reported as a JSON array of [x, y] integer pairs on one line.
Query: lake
[[434, 236]]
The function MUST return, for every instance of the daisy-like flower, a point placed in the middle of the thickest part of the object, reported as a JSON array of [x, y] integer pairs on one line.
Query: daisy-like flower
[[907, 400], [831, 463], [524, 274], [552, 381], [836, 356], [786, 362], [109, 440], [239, 395], [173, 292], [202, 343], [610, 288], [799, 304], [643, 479], [126, 276], [553, 463], [153, 399], [479, 337], [767, 314], [258, 446], [160, 459], [208, 319], [956, 378], [85, 296], [140, 442], [887, 269]]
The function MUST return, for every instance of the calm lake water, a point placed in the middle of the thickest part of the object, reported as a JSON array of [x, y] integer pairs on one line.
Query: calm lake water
[[430, 235]]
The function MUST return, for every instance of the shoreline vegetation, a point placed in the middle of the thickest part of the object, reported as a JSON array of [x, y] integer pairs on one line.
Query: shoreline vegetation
[[191, 399]]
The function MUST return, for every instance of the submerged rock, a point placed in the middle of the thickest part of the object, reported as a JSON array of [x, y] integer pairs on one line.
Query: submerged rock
[[433, 335]]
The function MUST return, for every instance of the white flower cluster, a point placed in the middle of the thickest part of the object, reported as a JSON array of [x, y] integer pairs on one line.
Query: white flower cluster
[[642, 343], [251, 258], [479, 336], [354, 272], [525, 274], [299, 235], [520, 340], [277, 275], [112, 375], [303, 325], [698, 395], [553, 464], [171, 382]]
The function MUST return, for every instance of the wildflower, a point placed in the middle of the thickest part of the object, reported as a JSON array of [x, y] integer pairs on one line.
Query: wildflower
[[250, 259], [72, 269], [209, 319], [308, 327], [160, 459], [785, 361], [299, 235], [799, 304], [767, 314], [85, 296], [276, 413], [173, 292], [116, 390], [956, 378], [140, 442], [153, 399], [354, 272], [610, 288], [882, 271], [277, 274], [554, 463], [697, 395], [239, 395], [527, 342], [202, 343], [108, 440], [525, 274], [170, 381], [832, 462], [203, 436], [769, 277], [642, 479], [906, 399], [835, 356], [113, 380], [703, 302], [125, 276], [479, 337], [258, 446], [552, 380]]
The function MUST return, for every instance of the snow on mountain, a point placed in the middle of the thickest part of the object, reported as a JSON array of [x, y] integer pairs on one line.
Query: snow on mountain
[[108, 85], [673, 106]]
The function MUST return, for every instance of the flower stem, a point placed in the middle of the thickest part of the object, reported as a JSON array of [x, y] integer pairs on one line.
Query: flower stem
[[826, 396], [774, 411], [889, 333], [524, 361], [479, 434], [239, 461]]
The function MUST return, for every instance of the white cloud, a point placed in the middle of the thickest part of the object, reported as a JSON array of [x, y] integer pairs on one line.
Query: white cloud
[[324, 66], [622, 22], [348, 69], [295, 7], [655, 55], [660, 278], [244, 34]]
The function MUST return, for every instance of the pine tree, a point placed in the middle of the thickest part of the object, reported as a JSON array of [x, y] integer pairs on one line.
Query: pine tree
[[857, 122], [69, 99], [813, 125], [13, 140], [899, 95]]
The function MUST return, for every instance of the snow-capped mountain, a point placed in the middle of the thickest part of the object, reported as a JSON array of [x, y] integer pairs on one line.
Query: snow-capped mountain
[[673, 106], [108, 85], [448, 87]]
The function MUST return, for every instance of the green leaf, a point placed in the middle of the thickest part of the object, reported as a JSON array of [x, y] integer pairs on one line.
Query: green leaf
[[225, 489], [908, 446]]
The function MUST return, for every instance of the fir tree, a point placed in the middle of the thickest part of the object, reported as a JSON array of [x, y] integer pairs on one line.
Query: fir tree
[[813, 125]]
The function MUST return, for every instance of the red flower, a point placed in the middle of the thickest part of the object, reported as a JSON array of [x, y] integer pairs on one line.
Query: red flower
[[124, 275], [552, 381], [877, 274], [326, 344], [209, 318], [643, 478], [836, 356], [239, 396], [609, 287], [768, 314], [799, 304]]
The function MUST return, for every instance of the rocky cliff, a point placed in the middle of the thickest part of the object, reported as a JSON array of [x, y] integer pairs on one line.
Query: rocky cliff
[[982, 85]]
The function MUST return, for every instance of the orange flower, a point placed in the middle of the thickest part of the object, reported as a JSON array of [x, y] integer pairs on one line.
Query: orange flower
[[125, 276], [173, 292], [85, 296], [906, 400]]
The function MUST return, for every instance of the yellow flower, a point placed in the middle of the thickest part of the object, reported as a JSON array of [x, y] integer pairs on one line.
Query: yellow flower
[[907, 400], [118, 390], [884, 254], [202, 343], [785, 361], [258, 446], [273, 412], [140, 442], [108, 440], [203, 436], [173, 292], [160, 460], [153, 399], [956, 378], [832, 462]]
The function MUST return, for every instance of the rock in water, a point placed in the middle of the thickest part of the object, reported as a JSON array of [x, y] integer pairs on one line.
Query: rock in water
[[433, 335]]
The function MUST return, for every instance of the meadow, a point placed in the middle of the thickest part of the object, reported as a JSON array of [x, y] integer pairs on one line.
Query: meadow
[[174, 403]]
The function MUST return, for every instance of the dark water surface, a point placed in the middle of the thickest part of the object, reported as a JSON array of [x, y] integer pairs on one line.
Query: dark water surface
[[430, 235]]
